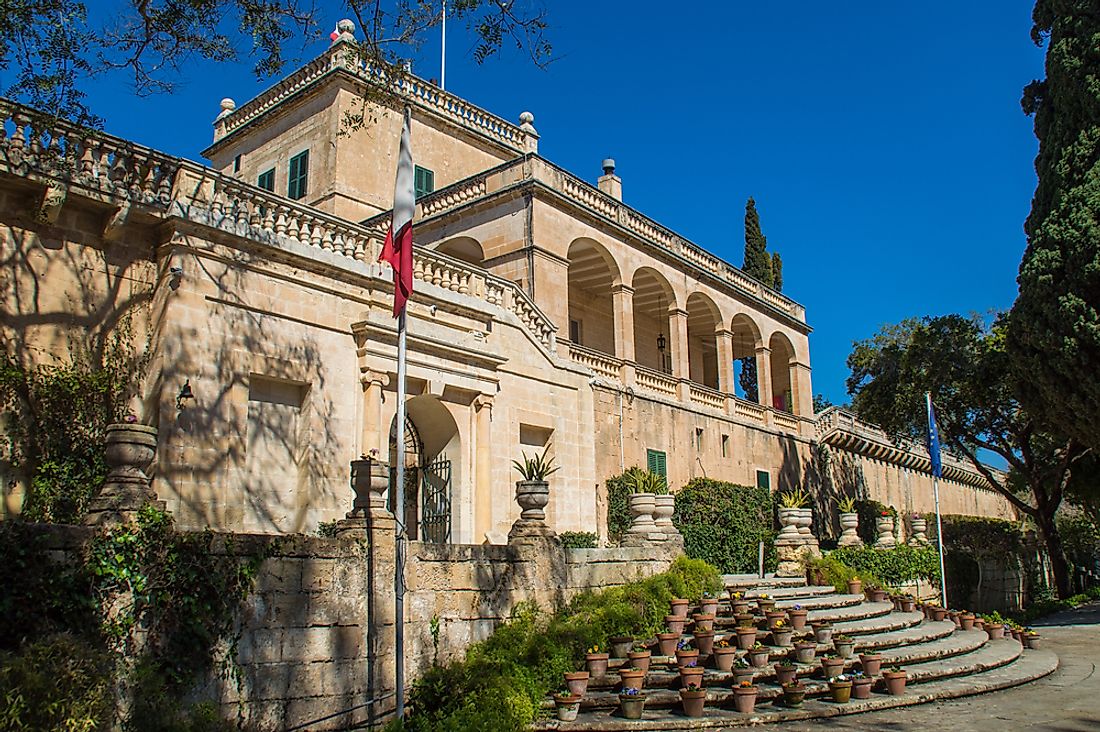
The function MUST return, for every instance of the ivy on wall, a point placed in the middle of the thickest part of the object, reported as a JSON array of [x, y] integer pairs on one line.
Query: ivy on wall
[[891, 567], [724, 523]]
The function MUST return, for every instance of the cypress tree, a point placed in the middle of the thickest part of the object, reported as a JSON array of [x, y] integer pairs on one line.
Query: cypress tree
[[777, 272], [758, 263], [1054, 333]]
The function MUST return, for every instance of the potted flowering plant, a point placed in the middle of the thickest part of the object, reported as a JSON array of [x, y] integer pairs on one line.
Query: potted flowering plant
[[744, 697], [797, 617], [805, 650], [876, 594], [745, 620], [861, 685], [567, 705], [632, 677], [738, 603], [692, 699], [895, 680], [685, 653], [966, 621], [758, 655], [746, 638], [632, 703], [831, 665], [855, 586], [793, 694], [596, 661], [703, 621], [666, 642], [708, 604], [840, 686], [765, 602], [691, 673], [675, 624], [785, 671], [724, 655], [781, 634], [871, 663], [577, 682], [640, 656], [743, 671], [844, 646], [704, 641], [823, 632], [994, 625], [1031, 639]]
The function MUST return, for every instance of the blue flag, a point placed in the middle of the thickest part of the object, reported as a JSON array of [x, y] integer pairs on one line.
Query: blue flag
[[933, 440]]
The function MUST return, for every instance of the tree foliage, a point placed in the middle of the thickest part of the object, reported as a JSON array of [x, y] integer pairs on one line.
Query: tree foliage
[[965, 367], [52, 47], [1054, 336], [723, 524], [766, 267]]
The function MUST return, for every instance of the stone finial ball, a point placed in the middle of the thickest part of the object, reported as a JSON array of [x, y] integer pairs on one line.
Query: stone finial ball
[[228, 105], [526, 118], [346, 26]]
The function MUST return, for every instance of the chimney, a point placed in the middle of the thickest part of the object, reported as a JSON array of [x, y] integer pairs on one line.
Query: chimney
[[610, 183]]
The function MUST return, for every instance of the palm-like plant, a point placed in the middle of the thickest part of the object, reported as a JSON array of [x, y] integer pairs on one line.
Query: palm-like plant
[[846, 504], [795, 498], [537, 467]]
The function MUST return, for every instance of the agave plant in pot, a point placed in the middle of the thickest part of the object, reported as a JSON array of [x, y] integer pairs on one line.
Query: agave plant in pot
[[567, 705], [693, 698], [744, 697], [632, 703], [895, 680], [724, 655], [533, 491]]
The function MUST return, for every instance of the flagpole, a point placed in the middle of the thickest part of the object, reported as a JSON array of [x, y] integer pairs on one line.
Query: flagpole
[[399, 514], [936, 496], [443, 52]]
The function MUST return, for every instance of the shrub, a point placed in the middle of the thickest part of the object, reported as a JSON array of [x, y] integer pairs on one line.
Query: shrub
[[577, 539], [891, 567], [723, 523], [618, 505]]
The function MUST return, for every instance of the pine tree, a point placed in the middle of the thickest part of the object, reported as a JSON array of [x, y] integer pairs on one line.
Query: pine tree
[[1054, 333]]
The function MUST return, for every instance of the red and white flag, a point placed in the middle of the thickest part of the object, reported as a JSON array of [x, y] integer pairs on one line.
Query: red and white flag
[[398, 249]]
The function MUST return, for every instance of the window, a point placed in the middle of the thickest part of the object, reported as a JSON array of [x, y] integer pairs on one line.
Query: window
[[237, 164], [298, 176], [423, 181], [575, 331], [698, 439], [655, 463], [763, 479], [267, 180], [725, 445]]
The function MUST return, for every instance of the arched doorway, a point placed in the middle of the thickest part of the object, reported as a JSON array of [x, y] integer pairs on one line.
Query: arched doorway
[[592, 274], [703, 319], [652, 298], [782, 356], [432, 456]]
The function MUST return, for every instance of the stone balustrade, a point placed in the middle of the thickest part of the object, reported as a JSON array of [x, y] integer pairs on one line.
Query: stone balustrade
[[655, 381], [601, 363], [707, 397], [750, 410]]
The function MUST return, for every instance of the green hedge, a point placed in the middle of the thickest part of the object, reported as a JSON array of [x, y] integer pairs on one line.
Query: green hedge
[[577, 539], [618, 507], [891, 567], [500, 683], [723, 523]]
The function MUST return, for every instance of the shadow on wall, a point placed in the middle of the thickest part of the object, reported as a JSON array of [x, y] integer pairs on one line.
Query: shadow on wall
[[827, 477]]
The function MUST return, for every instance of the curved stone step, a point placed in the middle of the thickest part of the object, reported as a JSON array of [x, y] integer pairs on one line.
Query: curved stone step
[[869, 639], [1028, 667], [783, 593], [822, 602], [856, 611], [752, 581], [878, 624]]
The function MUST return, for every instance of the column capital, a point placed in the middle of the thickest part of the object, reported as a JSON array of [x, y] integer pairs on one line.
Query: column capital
[[675, 311], [483, 401], [721, 331], [368, 377], [622, 289]]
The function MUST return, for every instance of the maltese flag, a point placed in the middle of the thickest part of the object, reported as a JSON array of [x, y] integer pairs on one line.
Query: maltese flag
[[398, 249]]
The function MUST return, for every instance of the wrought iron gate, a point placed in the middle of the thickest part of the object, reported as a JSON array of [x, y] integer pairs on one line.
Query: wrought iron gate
[[435, 501]]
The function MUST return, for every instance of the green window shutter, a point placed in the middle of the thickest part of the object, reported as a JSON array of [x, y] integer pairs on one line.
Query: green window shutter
[[655, 463], [298, 176], [267, 180], [423, 181], [763, 479]]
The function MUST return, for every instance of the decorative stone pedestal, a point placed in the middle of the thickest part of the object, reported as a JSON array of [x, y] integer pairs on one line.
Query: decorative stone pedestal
[[130, 449], [532, 496], [789, 553], [643, 528], [885, 527], [664, 507], [849, 525], [918, 526]]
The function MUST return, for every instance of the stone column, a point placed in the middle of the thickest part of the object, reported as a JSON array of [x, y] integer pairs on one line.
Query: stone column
[[622, 301], [764, 375], [802, 390], [374, 433], [483, 484], [724, 339], [678, 335]]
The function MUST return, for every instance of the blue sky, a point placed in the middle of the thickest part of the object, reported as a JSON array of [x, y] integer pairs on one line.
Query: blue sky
[[883, 142]]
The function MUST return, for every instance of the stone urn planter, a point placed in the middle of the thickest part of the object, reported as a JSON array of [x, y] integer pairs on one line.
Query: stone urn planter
[[805, 520], [596, 663], [841, 690], [692, 699], [849, 528], [642, 506], [884, 525], [666, 643], [704, 641], [577, 682], [567, 706], [861, 687], [129, 450], [632, 703], [632, 678], [788, 521], [871, 663], [794, 694], [918, 526], [746, 638], [804, 651], [744, 699], [675, 624], [679, 607], [785, 672], [724, 656], [640, 658], [895, 681], [370, 481], [663, 508], [532, 497], [620, 645]]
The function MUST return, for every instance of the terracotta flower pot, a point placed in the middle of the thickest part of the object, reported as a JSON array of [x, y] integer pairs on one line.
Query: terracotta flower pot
[[797, 619], [632, 705], [966, 621], [908, 605], [782, 637], [632, 679], [567, 708], [895, 682], [744, 674], [871, 663], [666, 643], [955, 617], [596, 663], [855, 587], [703, 621], [841, 691], [577, 682], [979, 624], [831, 667], [861, 688], [640, 659], [679, 607], [995, 630], [876, 595], [1033, 641], [823, 633], [759, 659], [708, 606], [785, 674], [724, 658], [691, 675], [793, 696], [675, 624], [745, 620], [744, 699], [684, 657], [766, 605], [804, 652], [739, 607], [704, 641], [620, 645], [746, 638], [844, 649], [774, 617], [939, 613], [693, 702]]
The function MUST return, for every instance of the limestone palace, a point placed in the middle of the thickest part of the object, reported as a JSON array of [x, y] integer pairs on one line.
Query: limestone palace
[[546, 311]]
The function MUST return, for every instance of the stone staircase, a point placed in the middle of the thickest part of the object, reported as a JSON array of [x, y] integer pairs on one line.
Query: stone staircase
[[941, 660]]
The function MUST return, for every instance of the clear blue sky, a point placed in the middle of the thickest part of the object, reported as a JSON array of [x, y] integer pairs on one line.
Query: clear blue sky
[[883, 142]]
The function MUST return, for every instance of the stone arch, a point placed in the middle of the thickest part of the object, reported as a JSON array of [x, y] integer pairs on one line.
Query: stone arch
[[782, 368], [652, 299], [593, 275], [747, 342], [465, 249], [432, 437], [703, 319]]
